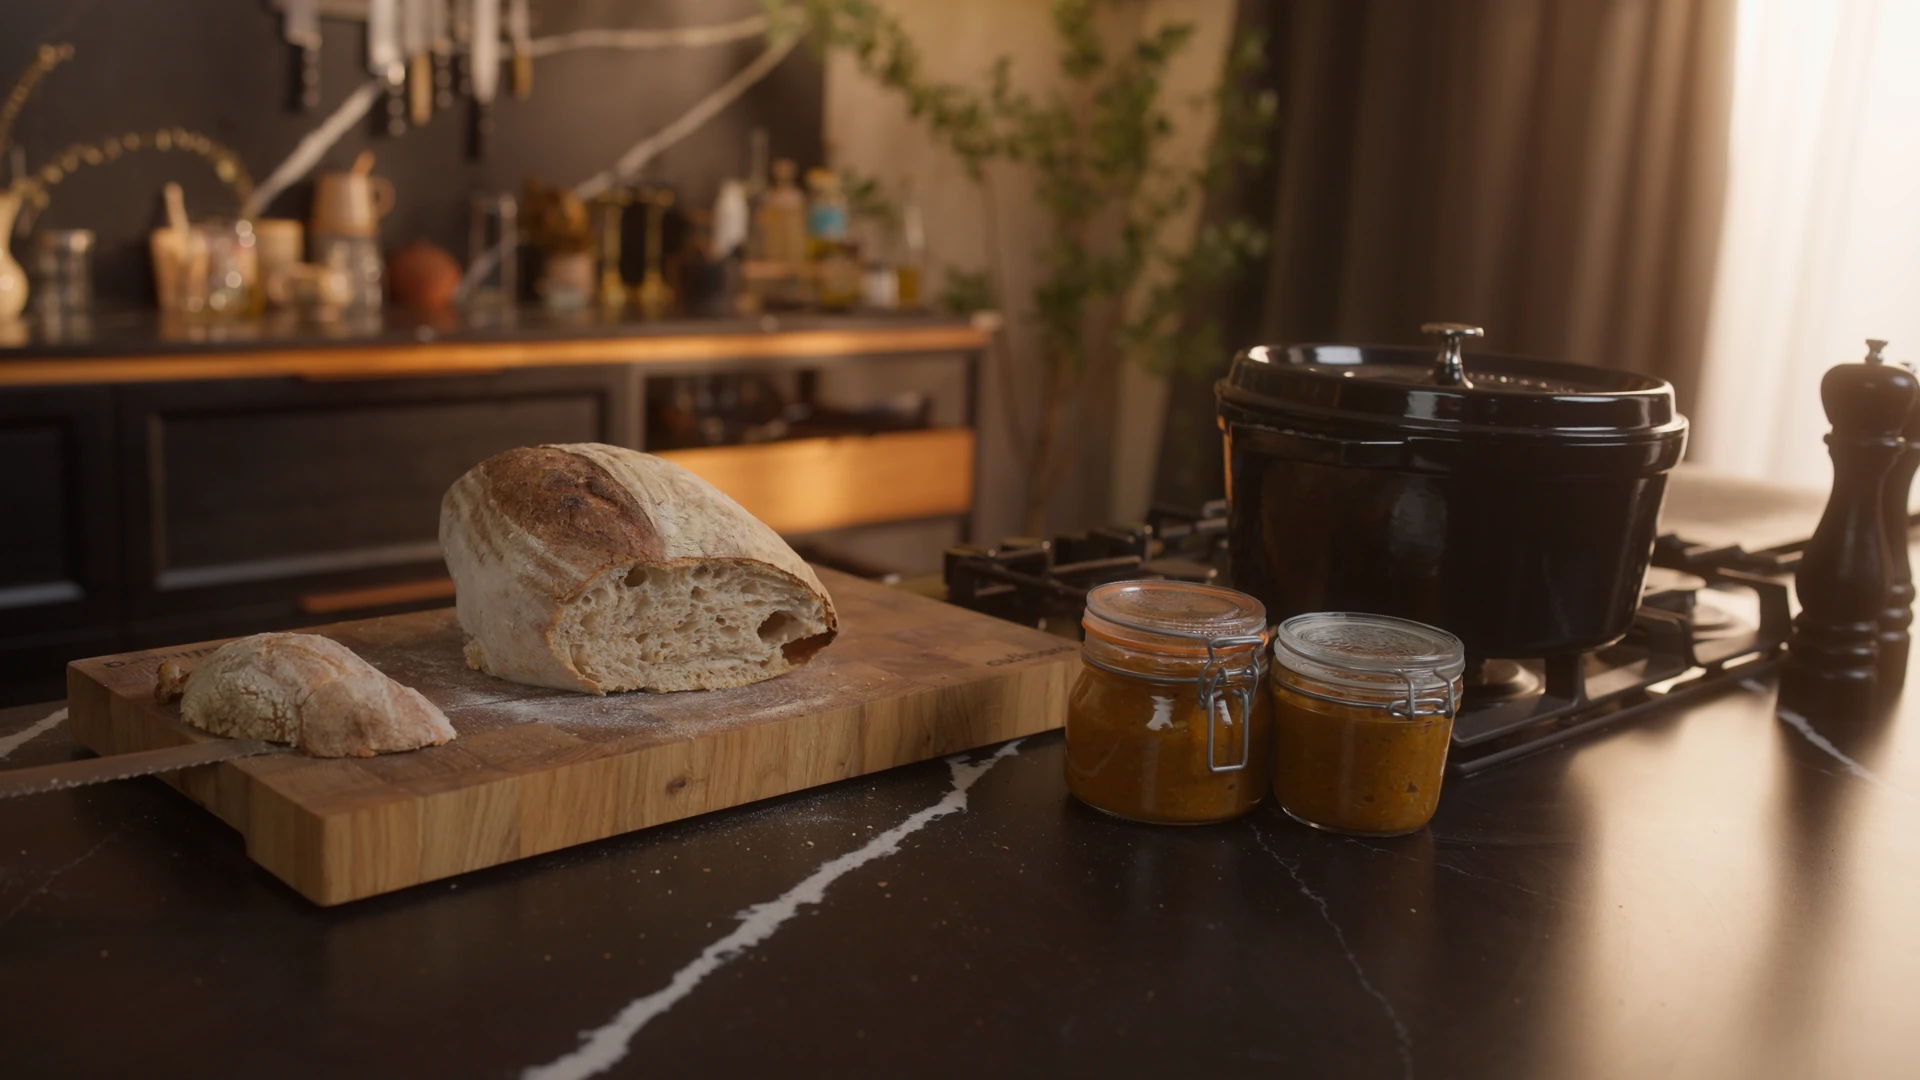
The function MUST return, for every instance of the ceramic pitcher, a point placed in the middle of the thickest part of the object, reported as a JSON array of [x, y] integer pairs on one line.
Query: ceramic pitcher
[[13, 280]]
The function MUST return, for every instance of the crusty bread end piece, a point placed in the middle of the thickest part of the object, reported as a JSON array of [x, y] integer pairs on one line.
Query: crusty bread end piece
[[595, 568], [312, 692]]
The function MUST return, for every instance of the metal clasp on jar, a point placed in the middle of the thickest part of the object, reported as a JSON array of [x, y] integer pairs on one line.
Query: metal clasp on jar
[[1241, 681], [1406, 708], [1216, 675], [1409, 707]]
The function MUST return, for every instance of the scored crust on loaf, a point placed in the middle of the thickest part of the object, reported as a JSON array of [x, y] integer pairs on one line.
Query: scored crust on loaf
[[312, 692], [595, 568]]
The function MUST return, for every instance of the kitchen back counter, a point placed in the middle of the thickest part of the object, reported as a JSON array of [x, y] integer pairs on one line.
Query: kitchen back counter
[[177, 482]]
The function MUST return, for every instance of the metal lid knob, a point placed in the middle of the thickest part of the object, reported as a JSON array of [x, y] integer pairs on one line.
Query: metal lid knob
[[1447, 368]]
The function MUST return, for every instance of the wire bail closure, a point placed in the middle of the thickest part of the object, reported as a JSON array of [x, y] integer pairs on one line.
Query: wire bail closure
[[1410, 707], [1449, 706], [1215, 677]]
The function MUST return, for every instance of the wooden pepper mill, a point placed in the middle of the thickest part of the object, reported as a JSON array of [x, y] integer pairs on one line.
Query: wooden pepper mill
[[1843, 580], [1897, 618]]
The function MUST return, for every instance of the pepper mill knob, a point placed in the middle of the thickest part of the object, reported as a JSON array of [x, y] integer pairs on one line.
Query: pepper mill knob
[[1897, 617], [1447, 368], [1843, 580]]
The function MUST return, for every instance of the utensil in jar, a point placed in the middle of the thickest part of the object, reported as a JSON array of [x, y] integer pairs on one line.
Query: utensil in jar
[[351, 203], [493, 250], [168, 248]]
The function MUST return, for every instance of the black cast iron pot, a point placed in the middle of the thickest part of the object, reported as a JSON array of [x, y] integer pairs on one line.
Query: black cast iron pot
[[1512, 502]]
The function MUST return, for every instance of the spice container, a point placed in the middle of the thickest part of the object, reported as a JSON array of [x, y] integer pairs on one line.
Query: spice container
[[1363, 712], [63, 269], [1168, 723]]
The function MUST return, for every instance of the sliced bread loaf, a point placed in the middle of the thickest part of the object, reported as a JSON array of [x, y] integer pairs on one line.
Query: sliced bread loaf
[[594, 568], [312, 692]]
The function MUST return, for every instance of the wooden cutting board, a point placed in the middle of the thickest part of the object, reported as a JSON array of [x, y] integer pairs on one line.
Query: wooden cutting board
[[534, 770]]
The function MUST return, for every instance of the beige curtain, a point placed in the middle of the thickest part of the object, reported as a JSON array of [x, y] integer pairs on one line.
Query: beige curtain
[[1549, 169]]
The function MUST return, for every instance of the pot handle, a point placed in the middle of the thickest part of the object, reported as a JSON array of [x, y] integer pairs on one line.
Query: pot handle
[[1447, 368]]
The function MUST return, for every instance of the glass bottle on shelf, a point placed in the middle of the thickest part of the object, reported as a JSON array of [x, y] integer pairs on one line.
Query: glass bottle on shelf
[[780, 222], [910, 262], [836, 273]]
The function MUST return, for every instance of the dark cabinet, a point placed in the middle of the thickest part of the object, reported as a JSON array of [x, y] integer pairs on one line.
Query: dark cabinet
[[153, 513], [246, 493], [57, 523], [144, 514]]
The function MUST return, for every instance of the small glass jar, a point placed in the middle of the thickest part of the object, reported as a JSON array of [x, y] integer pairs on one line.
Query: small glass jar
[[1168, 723], [63, 269], [1363, 714]]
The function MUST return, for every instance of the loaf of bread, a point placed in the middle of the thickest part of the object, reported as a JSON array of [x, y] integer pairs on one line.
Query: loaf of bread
[[593, 568], [312, 692]]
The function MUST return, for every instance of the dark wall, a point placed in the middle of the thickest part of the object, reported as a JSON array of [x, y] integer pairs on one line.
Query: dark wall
[[220, 68]]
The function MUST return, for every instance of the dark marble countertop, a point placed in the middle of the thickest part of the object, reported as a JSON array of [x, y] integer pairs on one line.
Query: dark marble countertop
[[1718, 890]]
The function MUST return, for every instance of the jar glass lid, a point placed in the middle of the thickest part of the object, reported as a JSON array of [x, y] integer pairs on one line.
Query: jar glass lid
[[1368, 652], [1148, 613]]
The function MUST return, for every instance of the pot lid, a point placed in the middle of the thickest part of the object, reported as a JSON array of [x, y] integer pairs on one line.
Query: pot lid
[[1442, 389]]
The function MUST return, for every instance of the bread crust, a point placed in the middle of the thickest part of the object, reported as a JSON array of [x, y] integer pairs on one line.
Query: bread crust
[[312, 692], [527, 532]]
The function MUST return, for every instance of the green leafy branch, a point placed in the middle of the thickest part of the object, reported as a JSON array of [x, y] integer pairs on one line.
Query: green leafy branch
[[1095, 147]]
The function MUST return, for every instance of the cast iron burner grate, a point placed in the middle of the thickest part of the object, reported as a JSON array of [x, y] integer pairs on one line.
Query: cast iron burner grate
[[1708, 618]]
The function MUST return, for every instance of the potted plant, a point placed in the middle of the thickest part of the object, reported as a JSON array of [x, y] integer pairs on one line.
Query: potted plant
[[1111, 287]]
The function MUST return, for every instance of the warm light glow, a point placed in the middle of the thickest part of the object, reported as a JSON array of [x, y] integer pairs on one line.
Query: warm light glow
[[1821, 242]]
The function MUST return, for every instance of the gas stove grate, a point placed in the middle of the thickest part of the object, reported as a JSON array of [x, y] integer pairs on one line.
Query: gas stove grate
[[1672, 654]]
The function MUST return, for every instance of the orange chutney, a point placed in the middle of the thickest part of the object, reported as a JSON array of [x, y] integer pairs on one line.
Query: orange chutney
[[1363, 715], [1138, 734]]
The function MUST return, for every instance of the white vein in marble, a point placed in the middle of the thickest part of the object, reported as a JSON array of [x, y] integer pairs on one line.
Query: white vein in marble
[[10, 743], [602, 1048], [1805, 727], [1402, 1037]]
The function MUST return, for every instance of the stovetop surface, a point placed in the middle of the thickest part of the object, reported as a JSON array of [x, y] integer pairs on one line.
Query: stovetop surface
[[1710, 613]]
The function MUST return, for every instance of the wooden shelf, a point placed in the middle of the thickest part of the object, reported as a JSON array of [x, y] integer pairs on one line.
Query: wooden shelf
[[465, 357], [810, 485]]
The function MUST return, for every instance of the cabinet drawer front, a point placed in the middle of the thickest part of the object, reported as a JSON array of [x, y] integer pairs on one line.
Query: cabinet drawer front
[[253, 493], [57, 493], [810, 485]]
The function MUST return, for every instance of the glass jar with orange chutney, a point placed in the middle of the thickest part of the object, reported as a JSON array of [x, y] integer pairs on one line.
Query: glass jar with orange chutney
[[1168, 722], [1363, 714]]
